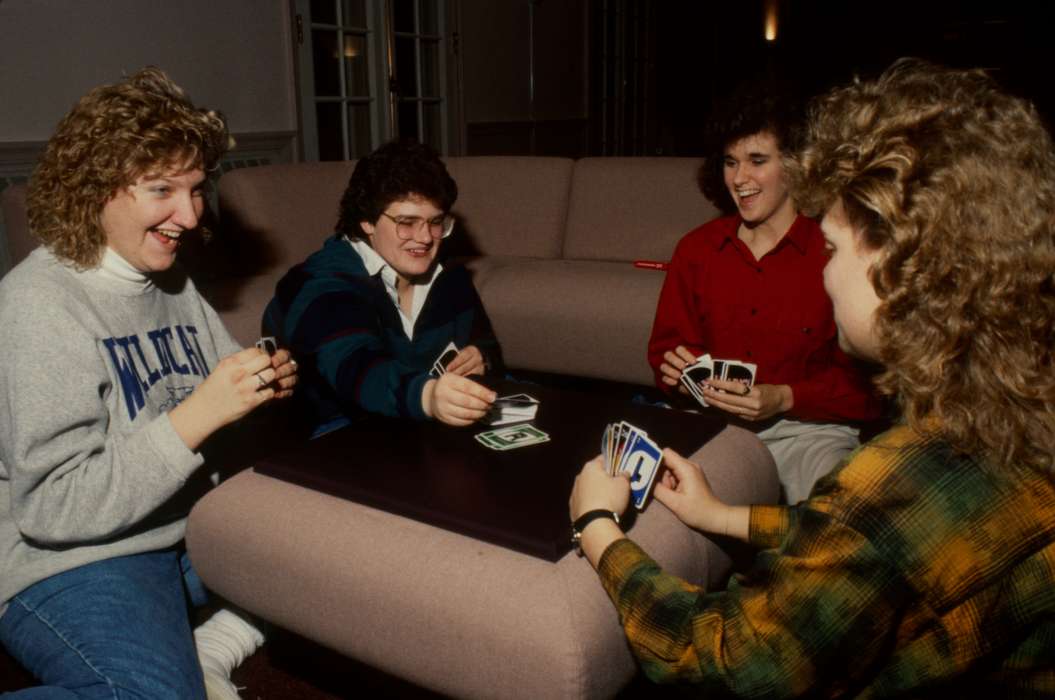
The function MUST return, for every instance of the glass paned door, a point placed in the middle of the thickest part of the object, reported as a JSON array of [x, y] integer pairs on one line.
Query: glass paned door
[[340, 43], [370, 70], [419, 70]]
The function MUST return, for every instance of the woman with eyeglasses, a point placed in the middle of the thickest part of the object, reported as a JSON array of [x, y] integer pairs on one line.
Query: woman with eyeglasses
[[368, 315]]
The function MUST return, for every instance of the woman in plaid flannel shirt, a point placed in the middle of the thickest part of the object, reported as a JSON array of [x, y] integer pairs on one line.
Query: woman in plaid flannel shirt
[[926, 563]]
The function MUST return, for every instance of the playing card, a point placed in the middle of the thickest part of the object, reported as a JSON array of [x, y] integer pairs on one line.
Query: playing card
[[516, 401], [642, 462], [516, 408], [694, 374], [736, 371], [512, 437], [268, 344], [718, 371], [439, 367], [622, 436]]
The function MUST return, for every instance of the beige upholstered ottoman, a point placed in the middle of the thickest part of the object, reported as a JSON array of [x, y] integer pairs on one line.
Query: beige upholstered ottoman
[[445, 611]]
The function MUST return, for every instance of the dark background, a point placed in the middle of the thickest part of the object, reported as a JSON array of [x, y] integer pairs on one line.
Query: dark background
[[657, 67]]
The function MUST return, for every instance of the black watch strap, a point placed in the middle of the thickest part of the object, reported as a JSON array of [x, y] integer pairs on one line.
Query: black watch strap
[[585, 519]]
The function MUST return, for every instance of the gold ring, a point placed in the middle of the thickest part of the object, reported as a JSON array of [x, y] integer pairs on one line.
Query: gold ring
[[260, 379]]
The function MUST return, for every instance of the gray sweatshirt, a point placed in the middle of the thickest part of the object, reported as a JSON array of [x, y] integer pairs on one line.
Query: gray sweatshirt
[[90, 364]]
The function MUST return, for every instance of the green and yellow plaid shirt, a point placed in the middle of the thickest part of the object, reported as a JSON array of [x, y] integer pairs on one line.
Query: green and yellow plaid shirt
[[911, 570]]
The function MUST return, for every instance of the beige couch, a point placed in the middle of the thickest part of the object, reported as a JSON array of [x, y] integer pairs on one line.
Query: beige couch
[[551, 244]]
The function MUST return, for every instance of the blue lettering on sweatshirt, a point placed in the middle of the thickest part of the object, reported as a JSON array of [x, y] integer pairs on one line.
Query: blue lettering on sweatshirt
[[137, 374]]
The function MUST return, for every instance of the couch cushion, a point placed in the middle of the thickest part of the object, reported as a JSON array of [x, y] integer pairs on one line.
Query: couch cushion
[[579, 317], [240, 302], [274, 216], [511, 205], [633, 208]]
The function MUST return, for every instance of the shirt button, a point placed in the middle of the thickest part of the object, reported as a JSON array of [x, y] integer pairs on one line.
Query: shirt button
[[749, 353], [754, 312]]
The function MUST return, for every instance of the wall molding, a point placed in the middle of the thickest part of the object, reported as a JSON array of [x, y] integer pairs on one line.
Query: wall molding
[[18, 158]]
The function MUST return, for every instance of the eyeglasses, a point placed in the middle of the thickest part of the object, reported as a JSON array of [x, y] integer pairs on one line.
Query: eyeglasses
[[407, 226]]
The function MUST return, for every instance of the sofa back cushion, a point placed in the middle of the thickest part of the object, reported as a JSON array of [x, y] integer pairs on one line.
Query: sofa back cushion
[[510, 205], [628, 209], [20, 242], [275, 216]]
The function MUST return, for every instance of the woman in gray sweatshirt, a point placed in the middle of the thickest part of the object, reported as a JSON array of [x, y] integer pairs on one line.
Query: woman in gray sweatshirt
[[115, 371]]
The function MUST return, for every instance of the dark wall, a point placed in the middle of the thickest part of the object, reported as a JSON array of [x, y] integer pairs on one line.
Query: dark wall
[[705, 49], [639, 77]]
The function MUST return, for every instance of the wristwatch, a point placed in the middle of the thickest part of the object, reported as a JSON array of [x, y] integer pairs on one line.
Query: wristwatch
[[585, 519]]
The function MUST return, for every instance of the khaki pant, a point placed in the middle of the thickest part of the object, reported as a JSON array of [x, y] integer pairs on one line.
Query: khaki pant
[[804, 452]]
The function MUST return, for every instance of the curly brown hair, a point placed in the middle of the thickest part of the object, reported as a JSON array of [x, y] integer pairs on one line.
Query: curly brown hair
[[394, 171], [953, 182], [142, 125]]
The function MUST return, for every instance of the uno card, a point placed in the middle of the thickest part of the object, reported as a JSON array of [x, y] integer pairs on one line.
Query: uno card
[[512, 437], [439, 367], [516, 408], [268, 344], [515, 401], [718, 370], [736, 371], [696, 373], [622, 438], [642, 462]]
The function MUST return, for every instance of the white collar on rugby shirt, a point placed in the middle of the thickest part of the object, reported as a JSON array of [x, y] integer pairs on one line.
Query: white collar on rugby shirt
[[374, 263]]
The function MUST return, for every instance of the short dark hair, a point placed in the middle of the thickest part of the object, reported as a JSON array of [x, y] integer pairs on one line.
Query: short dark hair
[[395, 171], [766, 105]]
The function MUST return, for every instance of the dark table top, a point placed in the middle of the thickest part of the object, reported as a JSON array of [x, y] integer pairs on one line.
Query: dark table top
[[442, 476]]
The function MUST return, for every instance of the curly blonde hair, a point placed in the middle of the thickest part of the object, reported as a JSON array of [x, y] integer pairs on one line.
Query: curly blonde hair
[[142, 125], [953, 182]]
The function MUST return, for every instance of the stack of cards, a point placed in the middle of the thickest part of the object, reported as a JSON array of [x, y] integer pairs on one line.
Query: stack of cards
[[628, 450], [515, 408], [439, 367], [511, 437], [705, 368]]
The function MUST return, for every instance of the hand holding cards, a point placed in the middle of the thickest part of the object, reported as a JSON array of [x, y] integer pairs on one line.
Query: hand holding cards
[[628, 450], [705, 368]]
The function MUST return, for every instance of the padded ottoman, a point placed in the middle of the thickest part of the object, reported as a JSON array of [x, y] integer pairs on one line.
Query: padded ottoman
[[444, 611]]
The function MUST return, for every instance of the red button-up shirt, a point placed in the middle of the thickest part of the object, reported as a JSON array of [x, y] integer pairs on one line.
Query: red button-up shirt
[[718, 299]]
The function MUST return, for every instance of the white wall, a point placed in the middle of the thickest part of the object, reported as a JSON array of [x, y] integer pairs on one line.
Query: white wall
[[231, 55]]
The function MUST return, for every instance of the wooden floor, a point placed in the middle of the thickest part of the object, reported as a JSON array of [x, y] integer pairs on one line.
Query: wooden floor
[[289, 667]]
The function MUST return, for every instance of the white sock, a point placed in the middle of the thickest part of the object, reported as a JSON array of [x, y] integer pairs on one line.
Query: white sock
[[223, 642]]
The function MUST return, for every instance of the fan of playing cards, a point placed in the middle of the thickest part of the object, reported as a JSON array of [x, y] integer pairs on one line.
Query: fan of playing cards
[[705, 368], [628, 450]]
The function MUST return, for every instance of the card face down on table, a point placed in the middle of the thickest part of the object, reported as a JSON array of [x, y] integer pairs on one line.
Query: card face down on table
[[512, 492]]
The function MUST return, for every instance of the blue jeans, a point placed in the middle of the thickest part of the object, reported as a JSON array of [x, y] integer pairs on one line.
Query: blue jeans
[[117, 628]]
